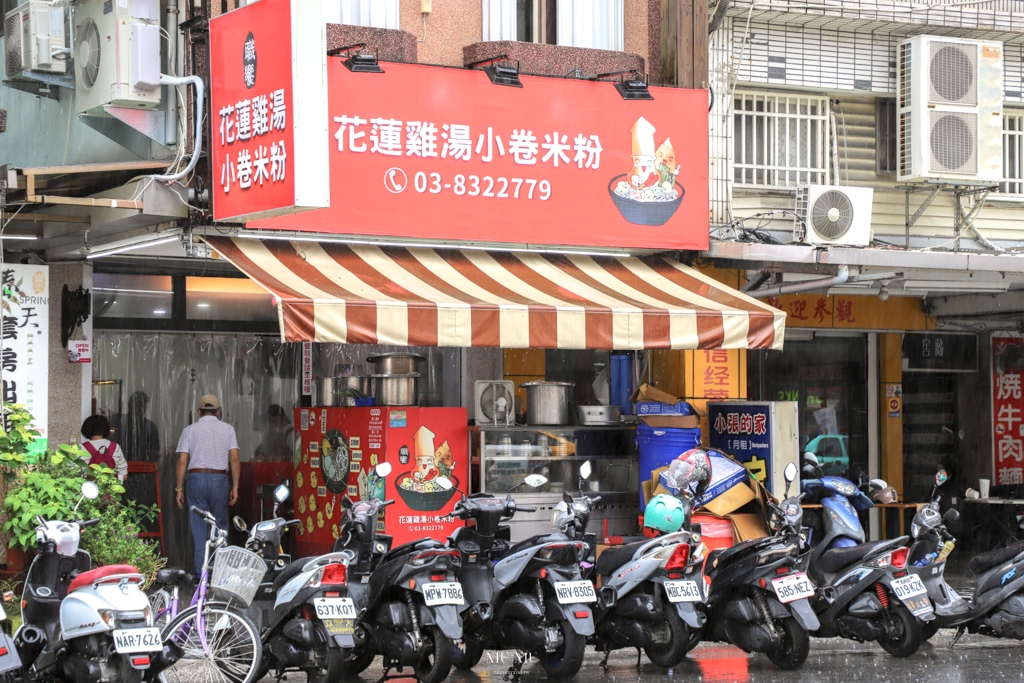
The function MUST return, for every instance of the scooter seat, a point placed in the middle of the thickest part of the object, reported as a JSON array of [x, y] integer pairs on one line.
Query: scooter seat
[[993, 558], [616, 556], [286, 574], [834, 560], [86, 579]]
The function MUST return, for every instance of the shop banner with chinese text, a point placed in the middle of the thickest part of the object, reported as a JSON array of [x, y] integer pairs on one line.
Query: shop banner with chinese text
[[24, 349], [1007, 409], [443, 154]]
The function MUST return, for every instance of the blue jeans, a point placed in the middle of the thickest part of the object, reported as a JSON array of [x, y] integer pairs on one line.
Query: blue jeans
[[208, 492]]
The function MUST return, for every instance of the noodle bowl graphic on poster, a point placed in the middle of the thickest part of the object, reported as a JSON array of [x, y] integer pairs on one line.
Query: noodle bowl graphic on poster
[[649, 193]]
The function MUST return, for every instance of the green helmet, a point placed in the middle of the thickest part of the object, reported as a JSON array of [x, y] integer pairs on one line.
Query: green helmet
[[664, 513]]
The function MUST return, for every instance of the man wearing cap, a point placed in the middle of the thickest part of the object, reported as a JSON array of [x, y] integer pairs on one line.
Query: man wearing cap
[[205, 449]]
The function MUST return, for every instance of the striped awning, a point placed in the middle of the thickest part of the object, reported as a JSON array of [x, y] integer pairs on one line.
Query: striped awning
[[369, 294]]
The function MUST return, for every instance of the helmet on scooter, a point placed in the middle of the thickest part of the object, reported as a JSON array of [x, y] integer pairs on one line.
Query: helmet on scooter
[[692, 467], [884, 496], [665, 513]]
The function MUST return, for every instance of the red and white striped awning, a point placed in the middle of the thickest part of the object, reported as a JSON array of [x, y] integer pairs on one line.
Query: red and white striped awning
[[368, 294]]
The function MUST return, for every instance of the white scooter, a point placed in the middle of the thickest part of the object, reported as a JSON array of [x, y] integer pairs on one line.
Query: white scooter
[[89, 625]]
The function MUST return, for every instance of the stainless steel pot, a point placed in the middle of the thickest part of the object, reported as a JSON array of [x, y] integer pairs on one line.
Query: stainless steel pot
[[333, 391], [547, 403], [396, 363], [395, 390]]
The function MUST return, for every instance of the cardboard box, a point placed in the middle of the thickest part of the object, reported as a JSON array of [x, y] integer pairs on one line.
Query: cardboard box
[[671, 421]]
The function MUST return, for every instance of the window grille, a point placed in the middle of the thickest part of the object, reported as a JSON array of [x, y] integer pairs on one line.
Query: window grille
[[1013, 153], [780, 140]]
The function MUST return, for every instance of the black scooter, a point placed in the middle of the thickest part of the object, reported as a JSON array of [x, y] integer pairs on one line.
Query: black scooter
[[758, 600], [407, 599]]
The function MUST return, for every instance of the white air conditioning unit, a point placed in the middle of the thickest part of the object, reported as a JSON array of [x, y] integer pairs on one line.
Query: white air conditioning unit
[[34, 39], [950, 109], [834, 215], [495, 402], [117, 55]]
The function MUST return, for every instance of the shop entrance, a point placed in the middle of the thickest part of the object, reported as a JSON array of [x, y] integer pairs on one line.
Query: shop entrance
[[828, 378]]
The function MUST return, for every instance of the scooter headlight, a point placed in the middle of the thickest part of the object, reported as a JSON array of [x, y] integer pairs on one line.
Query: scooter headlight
[[109, 617]]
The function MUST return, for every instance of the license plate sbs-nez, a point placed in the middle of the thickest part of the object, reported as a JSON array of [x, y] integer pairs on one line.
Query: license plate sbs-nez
[[793, 587], [683, 591], [131, 640], [569, 592], [908, 587], [442, 594]]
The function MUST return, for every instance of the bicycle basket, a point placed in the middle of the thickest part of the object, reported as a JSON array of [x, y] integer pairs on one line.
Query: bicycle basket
[[237, 574]]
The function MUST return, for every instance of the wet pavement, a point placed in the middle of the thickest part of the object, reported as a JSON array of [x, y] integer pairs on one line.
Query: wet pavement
[[975, 659]]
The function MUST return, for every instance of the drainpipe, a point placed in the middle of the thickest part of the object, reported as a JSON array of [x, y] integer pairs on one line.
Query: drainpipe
[[805, 286]]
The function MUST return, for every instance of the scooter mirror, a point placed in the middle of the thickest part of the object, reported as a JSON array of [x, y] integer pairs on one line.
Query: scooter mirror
[[536, 480], [281, 493], [941, 477], [445, 483], [585, 470], [90, 490], [383, 469], [239, 523], [790, 473]]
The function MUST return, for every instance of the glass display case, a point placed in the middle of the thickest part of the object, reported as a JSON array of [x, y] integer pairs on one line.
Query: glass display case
[[503, 456]]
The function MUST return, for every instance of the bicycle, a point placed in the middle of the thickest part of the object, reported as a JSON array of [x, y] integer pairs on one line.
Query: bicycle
[[219, 643]]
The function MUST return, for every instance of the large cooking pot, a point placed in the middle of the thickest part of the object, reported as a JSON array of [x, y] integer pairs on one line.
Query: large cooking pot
[[338, 391], [395, 390], [396, 363], [547, 403]]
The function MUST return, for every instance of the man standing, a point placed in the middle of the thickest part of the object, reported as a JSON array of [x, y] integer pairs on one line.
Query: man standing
[[205, 449]]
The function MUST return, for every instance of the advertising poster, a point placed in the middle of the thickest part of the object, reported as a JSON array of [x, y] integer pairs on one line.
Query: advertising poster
[[24, 347]]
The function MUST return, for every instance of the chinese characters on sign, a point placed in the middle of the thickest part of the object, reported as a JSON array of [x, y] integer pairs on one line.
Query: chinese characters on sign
[[1007, 409], [743, 432], [24, 347]]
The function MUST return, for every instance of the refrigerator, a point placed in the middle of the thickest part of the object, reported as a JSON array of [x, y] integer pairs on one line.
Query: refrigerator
[[763, 435], [337, 450]]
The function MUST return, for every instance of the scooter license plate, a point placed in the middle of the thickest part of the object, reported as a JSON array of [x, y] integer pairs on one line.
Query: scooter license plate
[[683, 591], [334, 608], [442, 594], [129, 640], [569, 592], [793, 587], [908, 587]]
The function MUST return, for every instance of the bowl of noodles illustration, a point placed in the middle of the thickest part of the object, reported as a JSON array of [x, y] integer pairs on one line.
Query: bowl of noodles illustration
[[424, 496]]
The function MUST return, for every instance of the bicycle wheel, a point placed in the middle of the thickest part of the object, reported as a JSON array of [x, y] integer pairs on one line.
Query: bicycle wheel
[[233, 649], [160, 601]]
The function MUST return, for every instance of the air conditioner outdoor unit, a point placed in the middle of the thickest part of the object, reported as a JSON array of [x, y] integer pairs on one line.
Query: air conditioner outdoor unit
[[834, 215], [495, 402], [34, 39], [950, 109], [117, 55]]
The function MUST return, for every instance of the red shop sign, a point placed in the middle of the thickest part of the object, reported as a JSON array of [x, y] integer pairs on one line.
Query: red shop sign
[[443, 154], [269, 109]]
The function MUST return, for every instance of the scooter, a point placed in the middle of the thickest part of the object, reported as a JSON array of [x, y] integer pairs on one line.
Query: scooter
[[758, 598], [865, 590], [405, 599], [90, 625], [10, 663], [529, 596], [997, 607], [652, 592], [295, 601]]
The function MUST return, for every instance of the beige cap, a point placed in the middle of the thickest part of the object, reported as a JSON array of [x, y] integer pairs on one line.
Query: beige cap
[[209, 402]]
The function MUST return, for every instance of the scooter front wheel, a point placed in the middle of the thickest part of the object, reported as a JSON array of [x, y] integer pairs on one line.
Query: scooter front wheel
[[795, 646], [904, 632], [232, 652]]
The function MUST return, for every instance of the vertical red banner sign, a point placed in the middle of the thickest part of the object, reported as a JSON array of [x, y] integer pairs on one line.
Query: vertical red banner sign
[[1007, 409]]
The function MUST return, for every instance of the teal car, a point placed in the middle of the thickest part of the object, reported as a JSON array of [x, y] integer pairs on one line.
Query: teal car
[[832, 452]]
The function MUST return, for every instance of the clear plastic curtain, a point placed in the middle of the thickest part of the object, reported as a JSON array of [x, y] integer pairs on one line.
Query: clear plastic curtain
[[157, 379]]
